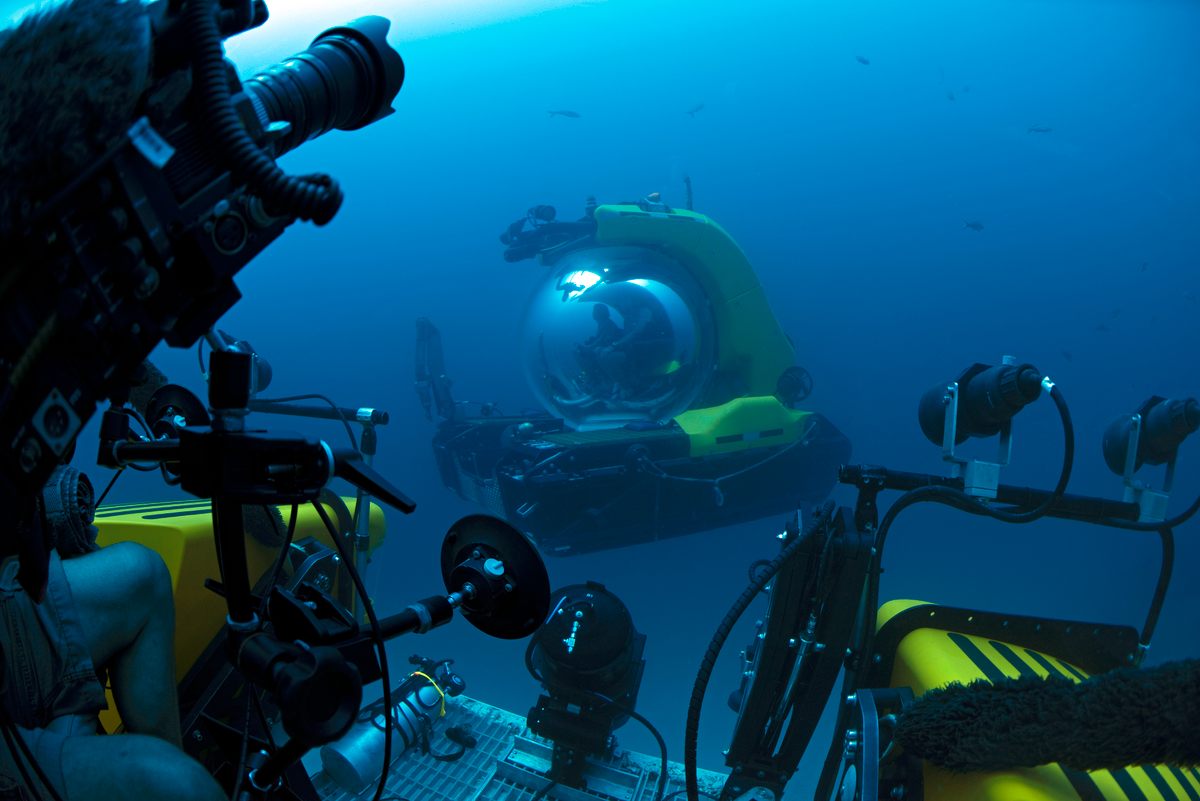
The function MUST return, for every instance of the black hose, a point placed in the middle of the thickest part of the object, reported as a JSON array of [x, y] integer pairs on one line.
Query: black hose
[[1174, 522], [1160, 590], [277, 569], [245, 748], [1064, 474], [699, 688], [960, 500], [654, 732], [311, 197], [376, 637], [111, 481]]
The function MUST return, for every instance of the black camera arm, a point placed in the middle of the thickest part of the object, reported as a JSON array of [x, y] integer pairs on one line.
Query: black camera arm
[[236, 467]]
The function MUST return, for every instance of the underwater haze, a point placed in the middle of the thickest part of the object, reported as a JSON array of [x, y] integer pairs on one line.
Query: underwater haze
[[919, 186]]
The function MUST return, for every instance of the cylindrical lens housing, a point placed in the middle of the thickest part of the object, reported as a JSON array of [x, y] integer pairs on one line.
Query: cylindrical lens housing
[[346, 79]]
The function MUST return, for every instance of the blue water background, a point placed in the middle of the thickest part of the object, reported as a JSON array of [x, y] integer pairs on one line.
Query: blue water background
[[848, 186]]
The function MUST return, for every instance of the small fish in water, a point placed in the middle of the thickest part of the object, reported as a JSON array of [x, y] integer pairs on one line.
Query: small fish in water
[[1039, 129], [950, 95], [1189, 296], [965, 89], [974, 225], [1067, 355], [1143, 267], [694, 110], [564, 113], [1103, 328], [866, 62]]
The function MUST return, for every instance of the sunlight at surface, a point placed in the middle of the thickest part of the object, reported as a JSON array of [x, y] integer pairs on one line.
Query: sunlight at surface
[[413, 19]]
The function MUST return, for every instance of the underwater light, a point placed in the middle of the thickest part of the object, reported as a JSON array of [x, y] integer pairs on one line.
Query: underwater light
[[988, 397], [1151, 435]]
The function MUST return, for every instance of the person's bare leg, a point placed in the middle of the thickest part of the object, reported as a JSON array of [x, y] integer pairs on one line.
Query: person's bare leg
[[132, 767], [123, 596]]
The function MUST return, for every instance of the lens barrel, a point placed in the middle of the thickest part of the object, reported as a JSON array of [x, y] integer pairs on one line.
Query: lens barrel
[[346, 79]]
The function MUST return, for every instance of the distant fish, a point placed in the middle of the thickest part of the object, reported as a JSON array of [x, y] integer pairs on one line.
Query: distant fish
[[1116, 313], [1189, 296], [1143, 267], [1039, 129], [1103, 328], [866, 62], [950, 95], [965, 89], [694, 110], [564, 113], [974, 225], [1067, 355]]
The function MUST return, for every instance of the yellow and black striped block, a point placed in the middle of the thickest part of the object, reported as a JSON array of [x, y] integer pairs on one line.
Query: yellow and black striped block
[[929, 657]]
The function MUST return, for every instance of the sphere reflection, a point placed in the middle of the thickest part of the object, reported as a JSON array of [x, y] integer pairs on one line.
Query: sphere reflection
[[617, 336]]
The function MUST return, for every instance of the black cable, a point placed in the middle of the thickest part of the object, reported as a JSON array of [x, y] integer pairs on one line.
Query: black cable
[[262, 719], [529, 660], [111, 481], [326, 401], [931, 494], [283, 553], [960, 500], [129, 411], [1064, 475], [1167, 537], [708, 663], [241, 765], [655, 470], [275, 573], [662, 744], [149, 434], [1174, 522], [376, 637]]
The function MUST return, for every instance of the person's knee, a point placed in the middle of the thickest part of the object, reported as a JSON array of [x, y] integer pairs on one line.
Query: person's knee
[[144, 573], [135, 767]]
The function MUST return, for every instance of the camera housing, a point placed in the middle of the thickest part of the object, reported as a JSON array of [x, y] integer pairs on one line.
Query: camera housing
[[142, 245]]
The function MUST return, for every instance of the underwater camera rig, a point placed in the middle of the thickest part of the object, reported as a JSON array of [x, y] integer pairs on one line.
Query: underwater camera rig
[[300, 645], [139, 242], [899, 735]]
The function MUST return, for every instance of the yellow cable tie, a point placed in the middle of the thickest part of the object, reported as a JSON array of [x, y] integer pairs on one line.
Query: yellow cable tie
[[441, 714]]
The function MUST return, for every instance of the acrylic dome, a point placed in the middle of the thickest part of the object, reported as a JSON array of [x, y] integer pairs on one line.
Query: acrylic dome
[[617, 335]]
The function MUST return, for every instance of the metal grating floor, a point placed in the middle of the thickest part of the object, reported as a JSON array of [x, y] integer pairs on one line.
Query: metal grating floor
[[508, 764]]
